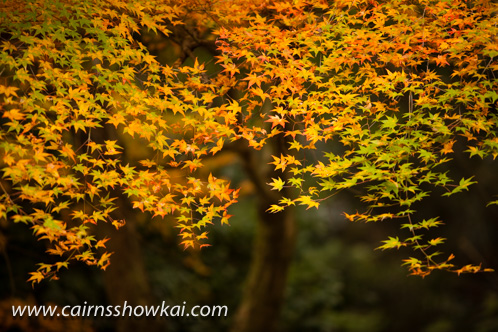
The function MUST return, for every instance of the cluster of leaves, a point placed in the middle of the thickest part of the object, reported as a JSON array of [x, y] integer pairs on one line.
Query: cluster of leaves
[[392, 86], [74, 75], [366, 94]]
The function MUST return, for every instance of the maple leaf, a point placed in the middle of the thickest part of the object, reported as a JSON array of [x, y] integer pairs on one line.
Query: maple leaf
[[441, 61], [36, 277], [202, 236], [14, 114], [259, 93], [308, 201], [280, 163], [448, 147], [59, 265], [118, 223], [111, 148], [116, 120], [275, 120], [134, 127], [254, 79], [101, 243], [277, 184], [104, 260], [231, 68], [187, 244], [392, 242], [92, 190], [225, 217], [275, 208], [67, 151]]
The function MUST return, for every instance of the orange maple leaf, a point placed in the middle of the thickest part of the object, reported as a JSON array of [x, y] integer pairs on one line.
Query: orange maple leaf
[[275, 120]]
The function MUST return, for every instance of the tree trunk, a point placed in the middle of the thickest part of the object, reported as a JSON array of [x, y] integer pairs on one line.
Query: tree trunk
[[125, 279], [265, 288], [272, 255]]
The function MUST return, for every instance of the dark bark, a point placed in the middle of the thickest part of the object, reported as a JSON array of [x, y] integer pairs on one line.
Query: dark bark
[[272, 255], [125, 279], [265, 288]]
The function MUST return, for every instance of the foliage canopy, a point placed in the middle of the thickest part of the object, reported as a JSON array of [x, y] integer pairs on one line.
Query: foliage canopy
[[365, 95]]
